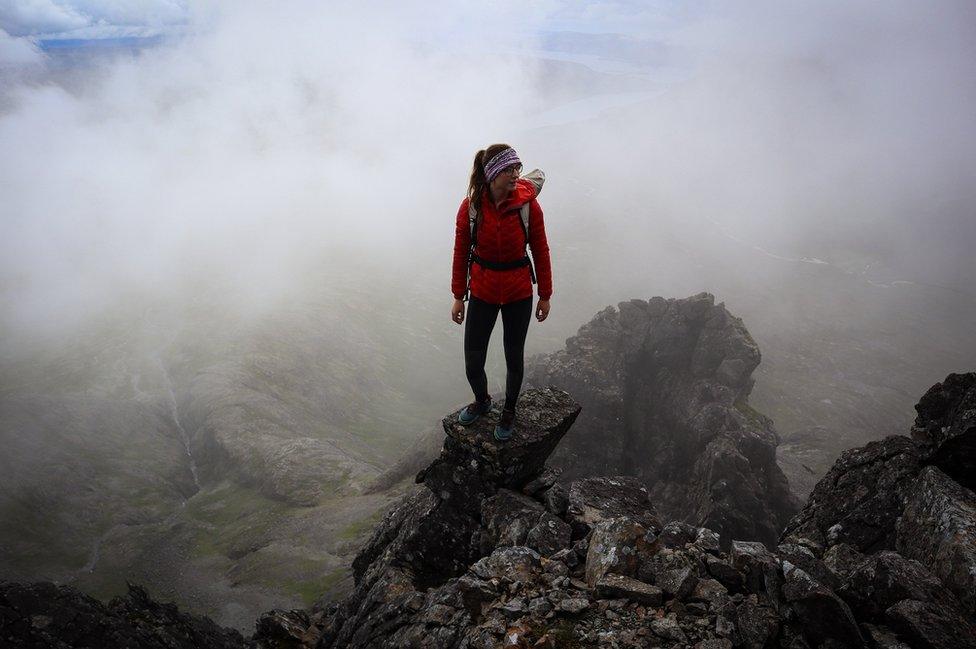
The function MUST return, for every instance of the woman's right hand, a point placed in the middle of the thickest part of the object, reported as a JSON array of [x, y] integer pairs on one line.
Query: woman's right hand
[[457, 311]]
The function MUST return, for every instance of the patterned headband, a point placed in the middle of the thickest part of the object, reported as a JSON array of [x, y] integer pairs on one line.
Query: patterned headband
[[499, 161]]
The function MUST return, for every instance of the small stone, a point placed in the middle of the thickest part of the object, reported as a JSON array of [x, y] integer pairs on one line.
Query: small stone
[[573, 605], [667, 628], [708, 540], [677, 583]]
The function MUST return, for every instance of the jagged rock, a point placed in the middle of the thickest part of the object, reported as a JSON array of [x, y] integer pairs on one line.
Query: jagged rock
[[756, 624], [567, 556], [611, 586], [946, 424], [508, 517], [938, 528], [614, 547], [748, 597], [283, 629], [677, 583], [725, 574], [861, 497], [472, 465], [804, 558], [549, 535], [708, 540], [842, 560], [885, 579], [824, 616], [509, 565], [593, 500], [664, 385], [544, 481], [556, 499], [926, 625], [710, 591], [46, 615], [757, 564], [677, 534]]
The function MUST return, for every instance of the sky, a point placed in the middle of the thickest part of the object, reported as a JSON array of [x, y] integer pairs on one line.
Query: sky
[[247, 141]]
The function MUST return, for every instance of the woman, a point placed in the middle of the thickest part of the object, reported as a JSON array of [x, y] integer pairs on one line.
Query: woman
[[490, 244]]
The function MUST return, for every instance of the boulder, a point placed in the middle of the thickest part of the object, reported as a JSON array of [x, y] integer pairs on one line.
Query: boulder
[[841, 560], [614, 548], [509, 565], [822, 614], [508, 516], [938, 528], [549, 535], [593, 500]]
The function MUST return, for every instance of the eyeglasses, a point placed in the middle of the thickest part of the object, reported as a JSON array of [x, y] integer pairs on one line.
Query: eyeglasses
[[512, 170]]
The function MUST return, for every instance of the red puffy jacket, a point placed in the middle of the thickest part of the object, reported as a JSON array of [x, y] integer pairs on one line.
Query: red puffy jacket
[[501, 238]]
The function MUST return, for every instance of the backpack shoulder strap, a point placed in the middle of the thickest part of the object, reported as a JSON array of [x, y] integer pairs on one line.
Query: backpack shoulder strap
[[473, 222], [524, 214]]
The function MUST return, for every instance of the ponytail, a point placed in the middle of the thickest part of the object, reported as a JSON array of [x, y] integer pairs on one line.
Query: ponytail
[[478, 184]]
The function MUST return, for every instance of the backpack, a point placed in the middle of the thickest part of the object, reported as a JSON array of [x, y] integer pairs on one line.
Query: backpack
[[537, 177]]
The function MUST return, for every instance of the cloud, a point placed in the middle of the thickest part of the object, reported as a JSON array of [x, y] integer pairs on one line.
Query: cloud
[[28, 17], [92, 19], [247, 151], [265, 141], [18, 52]]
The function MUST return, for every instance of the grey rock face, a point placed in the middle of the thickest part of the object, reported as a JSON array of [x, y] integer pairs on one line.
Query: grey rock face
[[664, 385], [946, 424], [938, 528], [861, 497]]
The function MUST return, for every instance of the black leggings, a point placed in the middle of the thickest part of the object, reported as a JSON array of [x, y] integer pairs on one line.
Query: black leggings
[[478, 324]]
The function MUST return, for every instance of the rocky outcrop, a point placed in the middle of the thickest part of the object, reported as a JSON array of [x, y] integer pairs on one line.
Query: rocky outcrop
[[493, 552], [664, 386], [589, 564], [900, 494], [946, 427], [47, 615]]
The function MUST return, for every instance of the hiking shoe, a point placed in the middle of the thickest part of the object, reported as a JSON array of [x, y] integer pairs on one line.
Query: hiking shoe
[[472, 411], [503, 431]]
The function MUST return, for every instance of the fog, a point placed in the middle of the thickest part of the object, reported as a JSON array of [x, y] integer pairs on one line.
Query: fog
[[259, 143], [226, 232]]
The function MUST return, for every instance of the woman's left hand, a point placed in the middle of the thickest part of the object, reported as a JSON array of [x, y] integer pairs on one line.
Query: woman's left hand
[[542, 310]]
